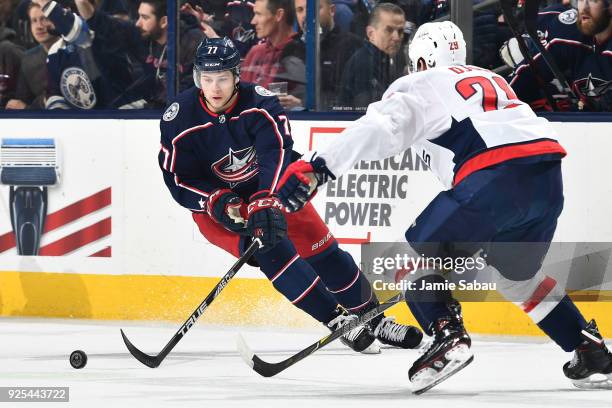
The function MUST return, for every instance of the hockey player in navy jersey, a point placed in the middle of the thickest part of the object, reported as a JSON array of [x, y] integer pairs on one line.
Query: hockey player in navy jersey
[[501, 166], [580, 41], [224, 147]]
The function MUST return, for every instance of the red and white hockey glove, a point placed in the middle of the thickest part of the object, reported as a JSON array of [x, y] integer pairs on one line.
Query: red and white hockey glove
[[300, 181], [266, 221], [228, 209]]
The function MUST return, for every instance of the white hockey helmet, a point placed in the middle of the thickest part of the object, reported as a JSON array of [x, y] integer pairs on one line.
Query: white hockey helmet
[[437, 44]]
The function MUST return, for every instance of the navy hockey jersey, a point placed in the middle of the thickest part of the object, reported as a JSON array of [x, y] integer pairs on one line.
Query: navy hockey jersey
[[586, 64], [245, 148]]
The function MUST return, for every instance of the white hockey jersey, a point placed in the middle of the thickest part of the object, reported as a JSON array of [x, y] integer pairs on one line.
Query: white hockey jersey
[[459, 119]]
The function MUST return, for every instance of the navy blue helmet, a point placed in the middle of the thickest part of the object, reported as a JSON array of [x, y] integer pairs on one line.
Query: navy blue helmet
[[215, 55]]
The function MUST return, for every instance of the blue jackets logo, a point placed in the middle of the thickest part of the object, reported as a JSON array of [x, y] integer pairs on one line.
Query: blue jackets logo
[[237, 166], [171, 112], [77, 88], [568, 17]]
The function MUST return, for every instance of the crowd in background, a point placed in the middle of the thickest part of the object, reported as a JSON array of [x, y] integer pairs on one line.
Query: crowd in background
[[113, 54]]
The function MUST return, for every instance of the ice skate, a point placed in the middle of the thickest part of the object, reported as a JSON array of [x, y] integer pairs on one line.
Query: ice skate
[[448, 353], [591, 367], [397, 335], [360, 339]]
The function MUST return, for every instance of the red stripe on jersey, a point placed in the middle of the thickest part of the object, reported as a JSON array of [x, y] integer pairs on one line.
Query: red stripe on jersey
[[539, 294], [180, 136], [213, 114], [501, 154], [166, 157], [190, 188]]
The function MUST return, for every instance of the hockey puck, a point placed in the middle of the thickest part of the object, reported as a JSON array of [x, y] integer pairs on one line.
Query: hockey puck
[[78, 359]]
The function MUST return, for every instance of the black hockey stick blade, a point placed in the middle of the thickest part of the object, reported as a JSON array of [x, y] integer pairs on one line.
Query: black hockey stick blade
[[155, 361], [149, 361], [266, 369]]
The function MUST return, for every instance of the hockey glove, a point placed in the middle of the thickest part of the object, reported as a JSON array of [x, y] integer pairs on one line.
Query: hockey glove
[[300, 182], [266, 221], [228, 209]]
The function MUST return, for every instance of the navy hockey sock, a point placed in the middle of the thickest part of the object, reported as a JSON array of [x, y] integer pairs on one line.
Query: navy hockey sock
[[564, 324], [344, 279], [293, 277], [427, 306]]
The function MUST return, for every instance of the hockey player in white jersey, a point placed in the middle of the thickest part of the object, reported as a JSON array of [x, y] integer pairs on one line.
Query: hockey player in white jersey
[[501, 167]]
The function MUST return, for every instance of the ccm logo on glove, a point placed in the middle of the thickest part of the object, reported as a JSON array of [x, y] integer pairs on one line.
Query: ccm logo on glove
[[268, 202]]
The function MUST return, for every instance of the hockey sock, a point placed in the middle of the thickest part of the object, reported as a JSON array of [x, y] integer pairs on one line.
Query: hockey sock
[[427, 306], [564, 324], [344, 279], [295, 279]]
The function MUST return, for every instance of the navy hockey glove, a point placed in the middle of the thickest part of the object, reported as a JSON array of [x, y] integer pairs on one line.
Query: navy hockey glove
[[228, 209], [266, 221], [300, 182]]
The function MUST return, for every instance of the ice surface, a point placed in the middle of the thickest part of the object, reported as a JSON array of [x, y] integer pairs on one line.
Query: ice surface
[[205, 370]]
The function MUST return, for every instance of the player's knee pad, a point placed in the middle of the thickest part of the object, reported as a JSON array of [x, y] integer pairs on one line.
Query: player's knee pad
[[537, 296]]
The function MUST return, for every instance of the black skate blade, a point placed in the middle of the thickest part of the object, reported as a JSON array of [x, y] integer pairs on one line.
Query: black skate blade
[[445, 377]]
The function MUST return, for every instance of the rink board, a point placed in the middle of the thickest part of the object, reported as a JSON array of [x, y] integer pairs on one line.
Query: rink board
[[118, 247]]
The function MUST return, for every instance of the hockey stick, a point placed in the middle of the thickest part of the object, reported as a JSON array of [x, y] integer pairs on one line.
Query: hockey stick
[[154, 361], [508, 12], [266, 369], [531, 16]]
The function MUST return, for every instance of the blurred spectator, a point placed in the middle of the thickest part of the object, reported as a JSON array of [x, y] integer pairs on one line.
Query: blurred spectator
[[87, 71], [485, 37], [273, 21], [204, 21], [343, 17], [335, 50], [153, 25], [378, 62], [115, 8], [32, 81], [21, 25], [580, 41], [237, 24], [10, 55], [225, 18]]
